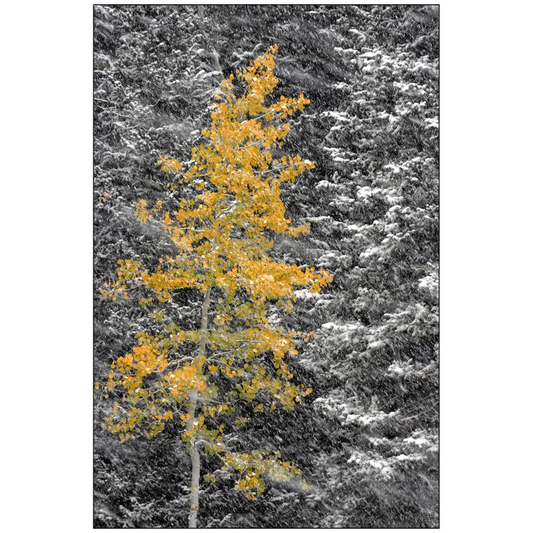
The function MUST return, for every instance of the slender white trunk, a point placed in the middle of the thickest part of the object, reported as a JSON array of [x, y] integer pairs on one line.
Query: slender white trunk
[[195, 463], [193, 402]]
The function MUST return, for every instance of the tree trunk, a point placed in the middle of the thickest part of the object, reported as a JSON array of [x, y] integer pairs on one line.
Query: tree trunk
[[195, 464], [193, 395]]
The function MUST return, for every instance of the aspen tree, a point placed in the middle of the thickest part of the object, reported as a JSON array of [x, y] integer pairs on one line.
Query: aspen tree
[[222, 237]]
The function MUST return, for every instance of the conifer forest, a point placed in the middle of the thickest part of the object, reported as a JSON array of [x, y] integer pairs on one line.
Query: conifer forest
[[266, 266]]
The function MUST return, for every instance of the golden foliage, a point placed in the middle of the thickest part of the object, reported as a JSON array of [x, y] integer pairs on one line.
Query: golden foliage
[[222, 240]]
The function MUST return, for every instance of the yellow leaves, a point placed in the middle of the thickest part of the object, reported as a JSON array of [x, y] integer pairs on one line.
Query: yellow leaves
[[169, 164], [276, 281], [127, 270], [215, 410], [199, 420], [146, 358], [185, 378], [124, 363], [187, 373], [222, 318], [158, 315], [251, 485], [141, 212], [199, 185], [103, 198], [241, 422], [165, 280], [320, 281], [222, 238], [143, 302], [254, 467], [230, 372], [125, 424]]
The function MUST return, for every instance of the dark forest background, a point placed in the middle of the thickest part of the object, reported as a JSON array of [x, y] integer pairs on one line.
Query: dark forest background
[[366, 439]]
